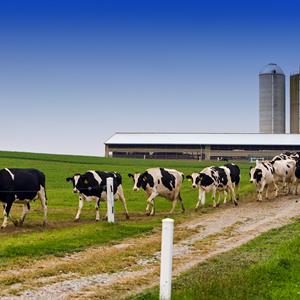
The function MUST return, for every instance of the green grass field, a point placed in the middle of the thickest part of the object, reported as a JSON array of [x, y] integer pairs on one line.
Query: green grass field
[[62, 234]]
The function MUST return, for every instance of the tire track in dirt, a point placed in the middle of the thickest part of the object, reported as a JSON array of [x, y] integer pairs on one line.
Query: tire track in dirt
[[211, 234]]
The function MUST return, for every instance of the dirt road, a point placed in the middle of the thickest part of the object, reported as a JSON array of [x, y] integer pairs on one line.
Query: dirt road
[[124, 269]]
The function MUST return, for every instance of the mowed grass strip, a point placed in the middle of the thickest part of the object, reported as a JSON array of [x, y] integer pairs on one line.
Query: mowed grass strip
[[267, 267], [69, 239], [62, 235]]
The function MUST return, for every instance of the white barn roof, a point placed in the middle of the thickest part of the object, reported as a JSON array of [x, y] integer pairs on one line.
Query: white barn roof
[[204, 139]]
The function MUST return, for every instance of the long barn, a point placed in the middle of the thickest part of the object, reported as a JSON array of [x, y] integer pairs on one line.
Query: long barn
[[200, 146]]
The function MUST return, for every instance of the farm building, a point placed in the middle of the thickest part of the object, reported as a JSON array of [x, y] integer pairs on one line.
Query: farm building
[[200, 146]]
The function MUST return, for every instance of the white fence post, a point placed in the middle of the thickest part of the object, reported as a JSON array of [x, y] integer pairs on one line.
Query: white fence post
[[166, 259], [110, 200]]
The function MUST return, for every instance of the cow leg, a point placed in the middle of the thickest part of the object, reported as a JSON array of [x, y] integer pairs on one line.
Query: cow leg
[[181, 203], [43, 198], [97, 210], [123, 200], [231, 189], [6, 211], [150, 202], [80, 205], [276, 189], [267, 191], [201, 196], [173, 205], [259, 192], [26, 208], [218, 201], [225, 197]]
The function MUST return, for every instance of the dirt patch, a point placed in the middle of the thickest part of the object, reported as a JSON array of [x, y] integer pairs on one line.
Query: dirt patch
[[124, 269]]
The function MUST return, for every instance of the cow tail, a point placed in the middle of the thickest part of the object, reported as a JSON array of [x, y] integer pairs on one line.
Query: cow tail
[[182, 175]]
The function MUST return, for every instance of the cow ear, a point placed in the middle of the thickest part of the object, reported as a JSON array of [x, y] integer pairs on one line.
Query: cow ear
[[130, 175], [189, 177], [69, 179]]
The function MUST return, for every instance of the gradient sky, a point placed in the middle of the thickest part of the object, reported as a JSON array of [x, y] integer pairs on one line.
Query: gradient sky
[[74, 72]]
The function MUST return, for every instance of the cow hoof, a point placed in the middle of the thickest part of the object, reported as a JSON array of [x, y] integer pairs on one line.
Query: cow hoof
[[97, 220], [45, 223], [76, 220], [236, 203], [147, 214], [127, 217], [218, 205], [2, 227], [16, 223]]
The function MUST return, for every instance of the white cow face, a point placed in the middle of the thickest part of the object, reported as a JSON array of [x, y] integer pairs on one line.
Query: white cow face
[[255, 175], [74, 181], [195, 178], [136, 180]]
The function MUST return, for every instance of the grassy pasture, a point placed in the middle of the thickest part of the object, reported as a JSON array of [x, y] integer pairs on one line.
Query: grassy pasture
[[62, 234]]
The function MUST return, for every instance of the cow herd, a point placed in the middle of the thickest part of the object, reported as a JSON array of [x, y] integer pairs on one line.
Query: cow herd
[[24, 185]]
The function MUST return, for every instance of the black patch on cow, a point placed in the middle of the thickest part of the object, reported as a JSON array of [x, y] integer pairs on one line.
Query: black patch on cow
[[214, 175], [144, 179], [158, 181], [204, 180], [222, 176], [235, 173], [277, 158], [265, 166], [167, 179], [257, 175]]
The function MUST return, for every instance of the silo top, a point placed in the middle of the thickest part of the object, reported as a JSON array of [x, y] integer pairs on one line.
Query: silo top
[[271, 69]]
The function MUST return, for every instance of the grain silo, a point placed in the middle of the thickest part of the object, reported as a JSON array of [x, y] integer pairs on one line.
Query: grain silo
[[271, 99], [294, 98]]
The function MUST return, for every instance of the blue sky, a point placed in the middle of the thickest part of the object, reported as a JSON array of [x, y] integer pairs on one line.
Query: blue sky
[[74, 72]]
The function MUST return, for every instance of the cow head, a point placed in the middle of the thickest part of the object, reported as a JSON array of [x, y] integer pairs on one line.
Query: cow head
[[74, 179], [255, 175], [81, 183], [196, 178], [139, 180]]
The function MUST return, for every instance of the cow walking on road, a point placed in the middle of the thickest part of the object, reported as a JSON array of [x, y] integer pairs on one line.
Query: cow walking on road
[[262, 175], [213, 179], [159, 182]]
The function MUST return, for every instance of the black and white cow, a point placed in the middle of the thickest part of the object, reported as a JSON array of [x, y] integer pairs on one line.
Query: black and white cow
[[213, 179], [262, 175], [21, 186], [92, 186], [235, 175], [159, 182]]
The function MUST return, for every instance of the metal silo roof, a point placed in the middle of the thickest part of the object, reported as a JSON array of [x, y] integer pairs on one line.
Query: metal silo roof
[[271, 69]]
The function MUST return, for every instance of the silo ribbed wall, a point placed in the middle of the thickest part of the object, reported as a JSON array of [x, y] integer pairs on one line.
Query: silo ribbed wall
[[272, 103], [295, 103]]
